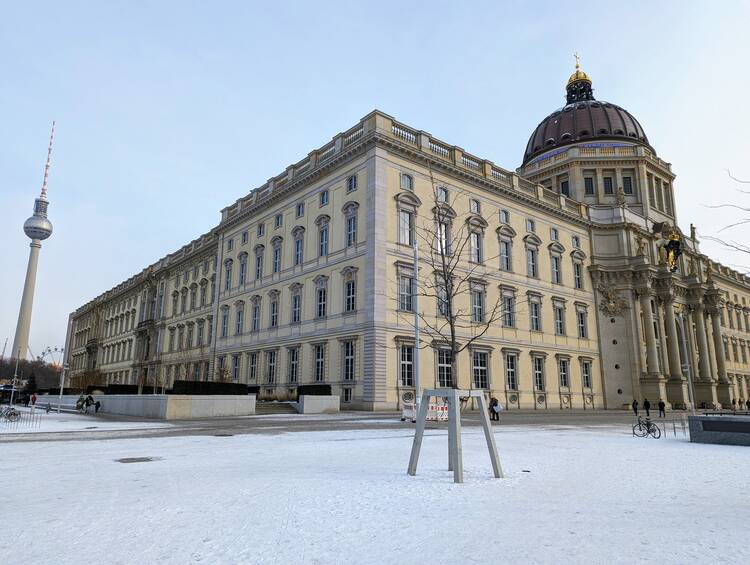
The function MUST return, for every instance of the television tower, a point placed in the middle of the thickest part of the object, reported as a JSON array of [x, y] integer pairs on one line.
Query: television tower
[[38, 228]]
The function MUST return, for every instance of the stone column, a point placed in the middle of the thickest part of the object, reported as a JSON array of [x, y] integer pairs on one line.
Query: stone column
[[673, 351], [704, 368], [712, 353], [652, 362], [721, 363]]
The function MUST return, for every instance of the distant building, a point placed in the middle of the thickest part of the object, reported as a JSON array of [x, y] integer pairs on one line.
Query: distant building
[[303, 279]]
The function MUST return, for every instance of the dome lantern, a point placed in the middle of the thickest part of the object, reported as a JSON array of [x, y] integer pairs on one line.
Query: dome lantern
[[579, 85]]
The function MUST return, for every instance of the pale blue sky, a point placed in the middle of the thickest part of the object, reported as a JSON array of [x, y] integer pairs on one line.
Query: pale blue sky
[[168, 111]]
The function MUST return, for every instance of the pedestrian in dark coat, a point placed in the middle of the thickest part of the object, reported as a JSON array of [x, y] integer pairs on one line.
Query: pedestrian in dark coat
[[734, 404], [747, 403], [494, 409], [647, 407], [662, 409], [635, 407]]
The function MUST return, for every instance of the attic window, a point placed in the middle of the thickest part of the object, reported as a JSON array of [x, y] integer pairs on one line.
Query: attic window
[[583, 133], [550, 141], [632, 134], [565, 136], [602, 131], [619, 132]]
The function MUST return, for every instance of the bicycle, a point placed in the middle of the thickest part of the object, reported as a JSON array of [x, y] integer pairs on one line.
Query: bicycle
[[9, 413], [645, 427]]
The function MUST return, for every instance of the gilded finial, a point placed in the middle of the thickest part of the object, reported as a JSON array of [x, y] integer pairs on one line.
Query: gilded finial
[[578, 60], [48, 163]]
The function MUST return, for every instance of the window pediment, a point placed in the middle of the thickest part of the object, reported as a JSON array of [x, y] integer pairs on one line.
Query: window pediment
[[556, 247], [477, 222], [443, 212], [578, 254], [298, 231], [506, 231], [408, 199], [322, 220], [532, 240], [350, 207]]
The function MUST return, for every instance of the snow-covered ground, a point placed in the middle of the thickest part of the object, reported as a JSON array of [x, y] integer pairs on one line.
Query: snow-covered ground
[[42, 422], [570, 496]]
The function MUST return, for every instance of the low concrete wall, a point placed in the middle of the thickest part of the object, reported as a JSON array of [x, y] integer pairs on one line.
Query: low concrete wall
[[166, 406], [312, 404], [724, 430]]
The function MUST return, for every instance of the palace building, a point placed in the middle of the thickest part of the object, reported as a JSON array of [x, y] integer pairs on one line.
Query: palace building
[[310, 278]]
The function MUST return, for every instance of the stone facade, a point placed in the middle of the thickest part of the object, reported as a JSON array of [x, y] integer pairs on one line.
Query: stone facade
[[301, 282]]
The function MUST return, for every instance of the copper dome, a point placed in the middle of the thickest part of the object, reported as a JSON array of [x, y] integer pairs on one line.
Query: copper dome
[[583, 119]]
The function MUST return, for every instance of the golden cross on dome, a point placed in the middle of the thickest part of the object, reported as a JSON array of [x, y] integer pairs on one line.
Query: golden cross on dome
[[578, 60]]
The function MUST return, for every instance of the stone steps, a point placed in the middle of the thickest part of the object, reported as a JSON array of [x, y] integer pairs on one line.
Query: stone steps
[[265, 408]]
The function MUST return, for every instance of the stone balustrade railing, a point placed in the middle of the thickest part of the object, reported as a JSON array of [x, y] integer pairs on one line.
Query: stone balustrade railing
[[572, 152]]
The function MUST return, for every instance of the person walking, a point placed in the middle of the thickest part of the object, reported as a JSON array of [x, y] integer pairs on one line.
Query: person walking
[[33, 399], [662, 409], [747, 404], [734, 404], [647, 407], [495, 410], [635, 406]]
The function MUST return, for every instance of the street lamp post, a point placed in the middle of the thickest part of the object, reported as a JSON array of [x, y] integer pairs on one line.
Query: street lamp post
[[62, 383]]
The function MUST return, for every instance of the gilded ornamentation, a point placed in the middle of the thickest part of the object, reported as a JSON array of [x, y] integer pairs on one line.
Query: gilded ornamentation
[[673, 249]]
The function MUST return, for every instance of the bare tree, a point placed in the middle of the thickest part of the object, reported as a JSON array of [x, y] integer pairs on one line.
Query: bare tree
[[452, 247], [727, 242]]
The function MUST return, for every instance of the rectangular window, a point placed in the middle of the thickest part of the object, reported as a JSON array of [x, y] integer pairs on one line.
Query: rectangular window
[[538, 363], [256, 316], [586, 373], [477, 306], [300, 209], [443, 238], [347, 395], [509, 311], [258, 267], [320, 363], [511, 376], [475, 206], [530, 226], [277, 259], [479, 369], [243, 271], [651, 193], [442, 300], [323, 197], [583, 330], [199, 337], [239, 322], [271, 367], [350, 296], [227, 281], [531, 263], [298, 251], [296, 308], [588, 186], [351, 231], [293, 364], [535, 315], [406, 228], [554, 235], [252, 366], [225, 323], [627, 185], [230, 246], [504, 216], [351, 183], [406, 365], [565, 188], [210, 330], [559, 319], [608, 187], [274, 313], [578, 275], [562, 367], [406, 293], [323, 242], [244, 241], [261, 229], [475, 247], [348, 364], [278, 221], [505, 257], [322, 302], [235, 367], [445, 368], [556, 274]]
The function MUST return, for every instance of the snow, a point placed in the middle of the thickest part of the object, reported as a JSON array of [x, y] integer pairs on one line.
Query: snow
[[590, 495], [68, 422]]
